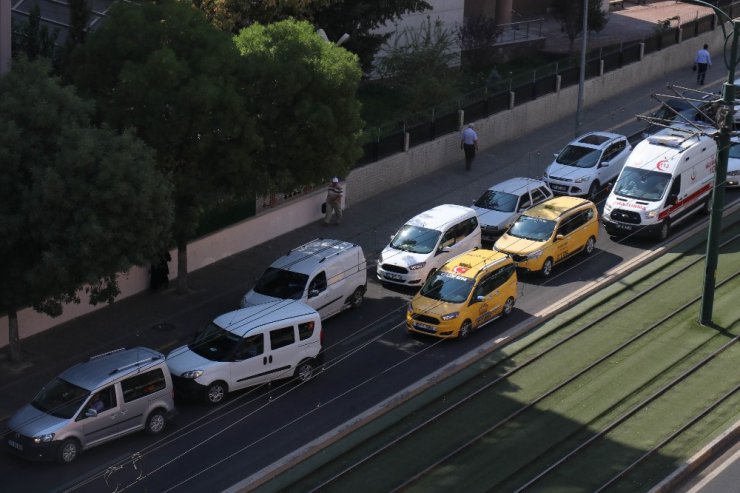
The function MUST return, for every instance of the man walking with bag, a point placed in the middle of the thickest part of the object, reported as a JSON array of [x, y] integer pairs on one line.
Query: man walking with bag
[[334, 202]]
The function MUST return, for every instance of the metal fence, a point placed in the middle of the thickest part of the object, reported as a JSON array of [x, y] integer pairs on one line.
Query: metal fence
[[542, 81]]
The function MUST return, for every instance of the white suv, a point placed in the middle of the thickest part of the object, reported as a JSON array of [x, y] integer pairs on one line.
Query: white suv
[[585, 165]]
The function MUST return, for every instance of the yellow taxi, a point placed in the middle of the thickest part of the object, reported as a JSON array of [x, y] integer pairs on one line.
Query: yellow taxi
[[466, 293], [550, 233]]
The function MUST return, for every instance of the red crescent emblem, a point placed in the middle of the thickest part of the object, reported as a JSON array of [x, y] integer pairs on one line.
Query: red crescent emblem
[[662, 165], [459, 269]]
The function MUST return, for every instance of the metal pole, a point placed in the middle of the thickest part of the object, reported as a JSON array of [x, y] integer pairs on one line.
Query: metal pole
[[582, 72], [718, 197], [5, 14]]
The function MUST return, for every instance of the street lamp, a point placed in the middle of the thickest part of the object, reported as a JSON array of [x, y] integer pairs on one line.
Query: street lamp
[[582, 71], [723, 142]]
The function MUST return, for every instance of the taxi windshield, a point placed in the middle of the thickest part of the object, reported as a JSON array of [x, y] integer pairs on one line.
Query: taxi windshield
[[532, 228], [497, 201], [642, 184], [415, 239], [579, 156], [447, 287]]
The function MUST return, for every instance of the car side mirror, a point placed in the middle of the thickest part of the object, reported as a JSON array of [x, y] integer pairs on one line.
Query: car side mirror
[[672, 199], [313, 293], [91, 413], [604, 164], [559, 237]]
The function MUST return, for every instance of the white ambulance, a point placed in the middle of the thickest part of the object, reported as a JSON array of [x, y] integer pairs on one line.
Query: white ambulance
[[667, 177]]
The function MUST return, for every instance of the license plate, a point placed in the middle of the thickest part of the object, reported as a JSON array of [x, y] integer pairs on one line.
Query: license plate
[[395, 277], [15, 445], [623, 226], [424, 327], [559, 188]]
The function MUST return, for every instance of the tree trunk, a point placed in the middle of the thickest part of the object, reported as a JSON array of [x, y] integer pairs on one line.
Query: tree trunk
[[182, 267], [14, 342]]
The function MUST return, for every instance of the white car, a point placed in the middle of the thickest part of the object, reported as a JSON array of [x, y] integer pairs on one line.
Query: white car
[[503, 203], [733, 165], [589, 162]]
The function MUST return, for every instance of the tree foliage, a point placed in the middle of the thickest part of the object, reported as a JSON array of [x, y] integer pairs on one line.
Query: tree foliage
[[163, 70], [33, 39], [358, 18], [304, 93], [569, 13], [418, 61], [80, 203]]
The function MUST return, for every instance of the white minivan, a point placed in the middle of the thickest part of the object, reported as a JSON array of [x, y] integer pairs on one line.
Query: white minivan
[[327, 275], [667, 177], [248, 347], [426, 242]]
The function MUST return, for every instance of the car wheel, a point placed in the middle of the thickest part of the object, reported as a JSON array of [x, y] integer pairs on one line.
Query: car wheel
[[216, 392], [304, 371], [156, 422], [355, 301], [508, 307], [465, 330], [546, 268], [590, 245], [593, 191], [665, 229], [68, 451]]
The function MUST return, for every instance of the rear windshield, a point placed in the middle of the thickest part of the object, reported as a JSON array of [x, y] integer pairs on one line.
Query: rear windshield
[[283, 284], [532, 228], [579, 156], [642, 184], [444, 286], [497, 201], [60, 398], [415, 239], [215, 343]]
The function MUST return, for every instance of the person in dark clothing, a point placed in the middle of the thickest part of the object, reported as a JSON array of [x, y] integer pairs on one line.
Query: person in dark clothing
[[160, 272]]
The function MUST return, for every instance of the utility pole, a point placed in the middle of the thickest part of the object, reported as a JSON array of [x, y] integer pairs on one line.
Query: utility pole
[[582, 71], [5, 13], [723, 143]]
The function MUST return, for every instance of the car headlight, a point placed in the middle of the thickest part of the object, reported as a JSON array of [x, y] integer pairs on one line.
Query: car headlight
[[607, 209], [43, 438], [534, 255], [450, 316], [581, 179], [651, 214], [417, 266], [192, 374]]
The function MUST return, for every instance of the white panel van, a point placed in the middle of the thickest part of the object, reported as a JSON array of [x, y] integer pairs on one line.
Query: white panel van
[[426, 242], [327, 275], [248, 347], [667, 177]]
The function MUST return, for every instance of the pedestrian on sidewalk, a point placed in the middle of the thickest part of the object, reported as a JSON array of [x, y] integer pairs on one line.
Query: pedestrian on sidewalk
[[702, 62], [160, 272], [334, 202], [469, 144]]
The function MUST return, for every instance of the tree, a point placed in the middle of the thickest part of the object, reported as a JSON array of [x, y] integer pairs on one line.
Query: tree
[[163, 70], [569, 13], [80, 203], [304, 92], [358, 18], [418, 63], [33, 39]]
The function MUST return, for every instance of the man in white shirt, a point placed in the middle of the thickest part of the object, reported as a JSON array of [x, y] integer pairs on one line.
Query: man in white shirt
[[334, 202], [469, 143], [702, 62]]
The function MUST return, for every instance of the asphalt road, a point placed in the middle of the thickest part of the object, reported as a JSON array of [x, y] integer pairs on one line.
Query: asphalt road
[[369, 358]]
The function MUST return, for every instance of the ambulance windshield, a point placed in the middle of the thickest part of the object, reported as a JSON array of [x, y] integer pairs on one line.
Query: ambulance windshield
[[642, 184]]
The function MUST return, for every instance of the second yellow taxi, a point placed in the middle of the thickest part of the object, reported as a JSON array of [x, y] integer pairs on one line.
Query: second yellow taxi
[[467, 292], [550, 233]]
